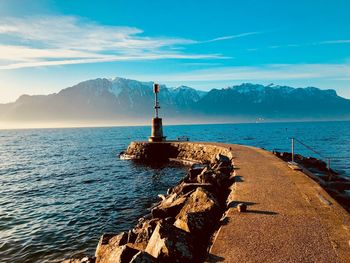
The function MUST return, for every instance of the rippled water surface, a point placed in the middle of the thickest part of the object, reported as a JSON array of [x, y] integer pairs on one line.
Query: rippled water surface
[[62, 188]]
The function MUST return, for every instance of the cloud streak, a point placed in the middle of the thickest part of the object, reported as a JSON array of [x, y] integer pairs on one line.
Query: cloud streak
[[43, 63], [61, 40], [339, 41], [326, 42], [270, 72], [230, 37]]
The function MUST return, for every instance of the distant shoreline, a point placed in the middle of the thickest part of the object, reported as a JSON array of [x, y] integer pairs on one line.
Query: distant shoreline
[[145, 124]]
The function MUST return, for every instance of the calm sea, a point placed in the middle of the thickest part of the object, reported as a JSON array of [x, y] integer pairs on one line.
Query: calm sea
[[60, 189]]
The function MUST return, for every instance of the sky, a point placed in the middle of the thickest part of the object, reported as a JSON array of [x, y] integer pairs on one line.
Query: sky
[[48, 45]]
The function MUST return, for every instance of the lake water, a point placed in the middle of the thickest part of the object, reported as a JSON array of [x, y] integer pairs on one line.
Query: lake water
[[61, 189]]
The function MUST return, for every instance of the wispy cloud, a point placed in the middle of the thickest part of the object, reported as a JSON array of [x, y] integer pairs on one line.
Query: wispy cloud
[[326, 42], [339, 41], [231, 37], [59, 40], [271, 72]]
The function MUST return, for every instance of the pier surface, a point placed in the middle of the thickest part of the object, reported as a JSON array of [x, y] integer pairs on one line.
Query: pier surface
[[290, 218]]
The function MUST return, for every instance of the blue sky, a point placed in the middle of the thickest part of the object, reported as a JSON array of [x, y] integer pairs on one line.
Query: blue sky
[[49, 45]]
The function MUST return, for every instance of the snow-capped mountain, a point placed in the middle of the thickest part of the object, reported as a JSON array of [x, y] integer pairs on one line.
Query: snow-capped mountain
[[273, 101], [101, 99], [119, 98]]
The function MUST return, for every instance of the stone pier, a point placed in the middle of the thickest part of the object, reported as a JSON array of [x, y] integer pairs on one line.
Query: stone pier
[[289, 217], [269, 212]]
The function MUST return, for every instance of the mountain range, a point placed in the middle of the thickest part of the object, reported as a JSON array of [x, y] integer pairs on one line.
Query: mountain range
[[120, 99]]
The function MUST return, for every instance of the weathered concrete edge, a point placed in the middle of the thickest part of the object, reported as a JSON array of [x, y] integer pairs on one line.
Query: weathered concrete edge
[[185, 151]]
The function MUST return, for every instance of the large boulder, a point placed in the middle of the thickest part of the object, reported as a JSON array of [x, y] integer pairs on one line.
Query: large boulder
[[131, 236], [224, 168], [207, 176], [199, 214], [185, 188], [223, 180], [219, 158], [171, 244], [144, 233], [119, 254], [143, 257], [170, 207], [108, 242], [193, 172]]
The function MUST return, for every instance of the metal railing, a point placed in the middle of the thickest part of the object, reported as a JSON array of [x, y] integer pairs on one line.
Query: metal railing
[[325, 158]]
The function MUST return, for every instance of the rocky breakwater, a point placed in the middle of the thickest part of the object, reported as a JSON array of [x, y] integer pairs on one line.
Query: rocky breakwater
[[180, 226], [332, 181]]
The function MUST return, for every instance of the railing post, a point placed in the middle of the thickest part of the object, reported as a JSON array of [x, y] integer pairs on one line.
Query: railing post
[[329, 169], [329, 164], [292, 150]]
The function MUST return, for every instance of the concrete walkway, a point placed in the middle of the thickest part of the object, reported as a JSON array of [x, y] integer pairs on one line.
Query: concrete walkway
[[290, 218]]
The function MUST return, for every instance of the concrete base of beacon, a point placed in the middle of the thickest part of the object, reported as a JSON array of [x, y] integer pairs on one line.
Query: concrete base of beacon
[[157, 131]]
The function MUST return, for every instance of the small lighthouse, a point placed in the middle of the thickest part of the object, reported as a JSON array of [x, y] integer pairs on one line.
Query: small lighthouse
[[157, 127]]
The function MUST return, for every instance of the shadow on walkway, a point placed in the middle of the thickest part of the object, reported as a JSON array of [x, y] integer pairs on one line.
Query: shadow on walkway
[[261, 212], [234, 204]]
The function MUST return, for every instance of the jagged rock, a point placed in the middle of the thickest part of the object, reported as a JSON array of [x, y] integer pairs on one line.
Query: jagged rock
[[169, 199], [143, 238], [142, 220], [223, 180], [143, 257], [177, 189], [161, 196], [144, 233], [119, 254], [199, 214], [171, 244], [170, 220], [131, 236], [224, 168], [185, 188], [108, 242], [219, 158], [214, 166], [206, 177], [148, 216], [193, 172], [168, 208], [87, 260]]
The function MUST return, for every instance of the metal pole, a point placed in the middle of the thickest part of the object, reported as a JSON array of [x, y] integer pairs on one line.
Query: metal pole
[[156, 106], [292, 150]]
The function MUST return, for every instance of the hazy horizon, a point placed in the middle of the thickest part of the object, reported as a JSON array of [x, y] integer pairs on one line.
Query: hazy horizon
[[145, 123]]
